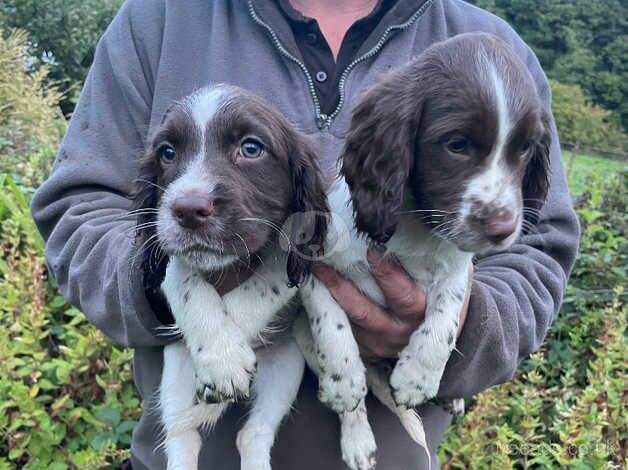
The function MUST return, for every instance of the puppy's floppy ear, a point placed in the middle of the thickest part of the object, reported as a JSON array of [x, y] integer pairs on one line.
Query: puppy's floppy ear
[[152, 262], [536, 179], [310, 212], [146, 195], [378, 154], [147, 189]]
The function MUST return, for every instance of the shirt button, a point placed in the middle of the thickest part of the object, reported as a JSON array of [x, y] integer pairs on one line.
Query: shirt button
[[311, 37], [321, 76]]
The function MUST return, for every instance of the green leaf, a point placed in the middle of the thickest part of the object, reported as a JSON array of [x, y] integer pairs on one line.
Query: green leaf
[[58, 302], [111, 416], [125, 427], [103, 441]]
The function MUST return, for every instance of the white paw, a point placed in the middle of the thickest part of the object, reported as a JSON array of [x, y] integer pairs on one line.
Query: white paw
[[254, 444], [357, 441], [413, 384], [223, 371], [342, 391]]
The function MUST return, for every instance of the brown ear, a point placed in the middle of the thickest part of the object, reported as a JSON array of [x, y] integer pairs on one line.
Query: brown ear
[[308, 222], [145, 201], [378, 153], [537, 176]]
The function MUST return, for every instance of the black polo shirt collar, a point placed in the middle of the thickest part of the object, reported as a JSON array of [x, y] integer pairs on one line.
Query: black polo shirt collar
[[317, 55], [278, 19]]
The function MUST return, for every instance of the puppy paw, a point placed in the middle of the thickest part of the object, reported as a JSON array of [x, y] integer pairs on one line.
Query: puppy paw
[[254, 444], [413, 384], [255, 464], [357, 441], [342, 392], [224, 375]]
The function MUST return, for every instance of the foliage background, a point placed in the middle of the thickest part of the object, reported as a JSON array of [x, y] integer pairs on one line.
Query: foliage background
[[66, 394]]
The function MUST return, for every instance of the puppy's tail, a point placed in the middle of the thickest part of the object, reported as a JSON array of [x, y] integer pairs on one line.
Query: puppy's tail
[[202, 416], [410, 419]]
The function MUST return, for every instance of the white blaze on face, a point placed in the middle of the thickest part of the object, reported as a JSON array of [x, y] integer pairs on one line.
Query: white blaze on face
[[204, 104], [491, 187], [200, 107]]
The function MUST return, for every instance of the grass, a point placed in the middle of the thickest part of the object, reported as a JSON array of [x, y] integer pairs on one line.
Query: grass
[[579, 168]]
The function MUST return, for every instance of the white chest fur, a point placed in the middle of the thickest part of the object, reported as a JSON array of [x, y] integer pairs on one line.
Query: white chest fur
[[428, 259]]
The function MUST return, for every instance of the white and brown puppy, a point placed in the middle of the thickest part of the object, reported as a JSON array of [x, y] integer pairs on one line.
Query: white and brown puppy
[[220, 177], [446, 157]]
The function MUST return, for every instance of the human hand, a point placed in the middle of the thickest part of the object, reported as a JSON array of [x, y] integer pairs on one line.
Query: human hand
[[383, 332]]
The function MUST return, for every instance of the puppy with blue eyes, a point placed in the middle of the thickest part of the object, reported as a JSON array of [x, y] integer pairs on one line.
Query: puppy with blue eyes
[[220, 177]]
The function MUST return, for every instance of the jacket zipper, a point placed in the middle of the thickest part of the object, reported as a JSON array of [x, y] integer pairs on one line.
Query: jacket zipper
[[373, 51], [322, 120]]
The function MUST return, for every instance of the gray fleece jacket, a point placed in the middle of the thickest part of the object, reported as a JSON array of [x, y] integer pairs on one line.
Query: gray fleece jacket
[[156, 51]]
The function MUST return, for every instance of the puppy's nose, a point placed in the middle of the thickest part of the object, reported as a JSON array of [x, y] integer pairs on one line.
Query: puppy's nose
[[500, 226], [191, 211]]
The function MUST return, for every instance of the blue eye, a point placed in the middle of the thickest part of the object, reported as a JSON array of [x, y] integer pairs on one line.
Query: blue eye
[[166, 153], [251, 148]]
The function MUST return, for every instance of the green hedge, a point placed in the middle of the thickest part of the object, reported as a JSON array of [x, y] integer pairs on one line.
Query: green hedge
[[567, 405], [66, 393]]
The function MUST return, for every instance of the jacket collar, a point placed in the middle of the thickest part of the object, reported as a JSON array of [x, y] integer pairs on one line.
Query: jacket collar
[[269, 12]]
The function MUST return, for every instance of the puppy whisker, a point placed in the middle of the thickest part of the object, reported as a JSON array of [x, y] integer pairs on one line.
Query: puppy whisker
[[143, 226], [136, 212], [248, 252], [141, 249], [437, 211], [271, 225], [142, 180]]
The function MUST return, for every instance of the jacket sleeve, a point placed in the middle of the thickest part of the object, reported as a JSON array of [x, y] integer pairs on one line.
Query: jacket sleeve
[[82, 209], [516, 294]]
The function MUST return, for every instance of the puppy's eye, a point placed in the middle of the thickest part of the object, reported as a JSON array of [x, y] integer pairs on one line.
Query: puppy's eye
[[166, 153], [525, 148], [251, 148], [457, 145]]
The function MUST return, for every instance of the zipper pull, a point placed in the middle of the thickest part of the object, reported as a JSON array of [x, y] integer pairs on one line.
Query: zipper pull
[[321, 121]]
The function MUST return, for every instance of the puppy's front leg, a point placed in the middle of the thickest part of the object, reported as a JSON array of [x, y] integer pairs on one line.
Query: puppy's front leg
[[341, 378], [222, 356], [417, 374]]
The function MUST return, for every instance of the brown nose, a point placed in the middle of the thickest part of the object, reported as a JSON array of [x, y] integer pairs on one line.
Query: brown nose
[[192, 210], [499, 227]]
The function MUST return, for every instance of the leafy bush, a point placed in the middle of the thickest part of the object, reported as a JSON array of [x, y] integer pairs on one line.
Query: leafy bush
[[567, 405], [583, 124], [63, 33], [31, 123], [66, 395]]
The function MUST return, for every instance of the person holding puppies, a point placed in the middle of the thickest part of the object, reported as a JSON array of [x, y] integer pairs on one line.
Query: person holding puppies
[[311, 60]]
